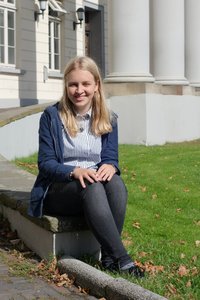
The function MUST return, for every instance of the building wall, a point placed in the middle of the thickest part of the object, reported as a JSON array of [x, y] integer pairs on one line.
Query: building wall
[[31, 81]]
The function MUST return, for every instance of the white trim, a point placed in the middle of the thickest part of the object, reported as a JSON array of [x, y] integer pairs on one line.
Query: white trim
[[57, 6]]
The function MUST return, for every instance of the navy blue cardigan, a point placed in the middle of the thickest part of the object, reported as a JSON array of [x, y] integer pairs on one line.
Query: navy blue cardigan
[[50, 156]]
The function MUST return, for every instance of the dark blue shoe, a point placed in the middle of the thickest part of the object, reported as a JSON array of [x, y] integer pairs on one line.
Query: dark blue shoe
[[134, 271]]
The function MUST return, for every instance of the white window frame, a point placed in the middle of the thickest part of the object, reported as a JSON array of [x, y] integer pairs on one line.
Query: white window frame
[[52, 38], [8, 7], [58, 9]]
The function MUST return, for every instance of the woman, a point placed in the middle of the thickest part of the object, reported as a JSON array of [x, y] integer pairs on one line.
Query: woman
[[78, 163]]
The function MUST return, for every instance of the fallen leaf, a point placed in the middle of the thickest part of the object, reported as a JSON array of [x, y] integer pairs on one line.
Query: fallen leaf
[[182, 271], [178, 210], [197, 223], [136, 225], [154, 196], [194, 258], [186, 190], [182, 255], [188, 284], [171, 289], [142, 254], [197, 243], [182, 242], [194, 271], [157, 216], [143, 188]]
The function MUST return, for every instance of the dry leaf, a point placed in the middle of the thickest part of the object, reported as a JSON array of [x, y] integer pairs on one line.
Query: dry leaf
[[197, 223], [182, 255], [172, 289], [154, 196], [142, 254], [186, 190], [194, 271], [178, 210], [182, 242], [157, 216], [188, 284], [136, 225], [143, 188], [194, 258], [197, 243], [182, 271]]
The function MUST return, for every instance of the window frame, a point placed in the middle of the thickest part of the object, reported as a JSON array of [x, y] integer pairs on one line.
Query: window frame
[[6, 7], [52, 39]]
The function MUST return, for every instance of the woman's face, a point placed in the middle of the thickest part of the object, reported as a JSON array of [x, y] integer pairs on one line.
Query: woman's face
[[81, 87]]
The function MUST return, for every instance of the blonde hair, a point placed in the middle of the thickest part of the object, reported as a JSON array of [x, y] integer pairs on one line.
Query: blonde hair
[[101, 122]]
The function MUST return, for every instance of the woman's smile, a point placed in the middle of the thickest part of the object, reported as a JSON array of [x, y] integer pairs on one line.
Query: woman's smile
[[81, 88]]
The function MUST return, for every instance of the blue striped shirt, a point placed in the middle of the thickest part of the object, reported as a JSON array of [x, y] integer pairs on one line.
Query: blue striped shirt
[[83, 150]]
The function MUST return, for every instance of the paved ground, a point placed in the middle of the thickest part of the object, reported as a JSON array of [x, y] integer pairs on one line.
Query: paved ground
[[19, 288]]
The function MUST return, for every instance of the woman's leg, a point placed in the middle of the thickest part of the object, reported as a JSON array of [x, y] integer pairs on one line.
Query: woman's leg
[[117, 198], [63, 199], [102, 210]]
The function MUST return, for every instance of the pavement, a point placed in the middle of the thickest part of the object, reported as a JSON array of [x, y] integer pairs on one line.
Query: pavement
[[100, 284]]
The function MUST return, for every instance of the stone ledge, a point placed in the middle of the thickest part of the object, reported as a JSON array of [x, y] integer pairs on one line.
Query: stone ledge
[[19, 201]]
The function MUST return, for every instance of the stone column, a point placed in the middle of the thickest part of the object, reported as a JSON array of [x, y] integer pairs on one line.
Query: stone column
[[192, 9], [129, 41], [167, 41]]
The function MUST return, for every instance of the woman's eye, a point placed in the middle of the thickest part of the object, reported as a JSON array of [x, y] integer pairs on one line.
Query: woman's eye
[[72, 84]]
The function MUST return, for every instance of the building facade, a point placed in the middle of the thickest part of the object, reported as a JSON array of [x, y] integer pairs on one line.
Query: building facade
[[148, 51], [34, 48]]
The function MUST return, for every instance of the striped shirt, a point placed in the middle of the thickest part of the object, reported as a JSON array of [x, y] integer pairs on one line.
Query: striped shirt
[[83, 150]]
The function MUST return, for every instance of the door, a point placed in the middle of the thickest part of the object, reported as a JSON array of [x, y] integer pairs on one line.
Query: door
[[94, 36]]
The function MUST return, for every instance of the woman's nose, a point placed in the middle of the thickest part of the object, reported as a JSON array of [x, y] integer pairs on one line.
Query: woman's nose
[[79, 88]]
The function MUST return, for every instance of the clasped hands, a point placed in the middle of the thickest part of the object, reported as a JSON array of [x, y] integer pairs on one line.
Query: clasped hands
[[104, 173]]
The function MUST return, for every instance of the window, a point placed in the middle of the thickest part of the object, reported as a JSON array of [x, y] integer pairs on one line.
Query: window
[[7, 32], [55, 11], [54, 45]]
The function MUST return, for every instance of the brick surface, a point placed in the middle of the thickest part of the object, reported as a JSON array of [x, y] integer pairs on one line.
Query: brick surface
[[20, 288]]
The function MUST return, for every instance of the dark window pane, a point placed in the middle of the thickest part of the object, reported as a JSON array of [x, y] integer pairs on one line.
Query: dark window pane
[[2, 54], [10, 19], [11, 55], [1, 18], [1, 36], [56, 46], [11, 37], [56, 57], [49, 61]]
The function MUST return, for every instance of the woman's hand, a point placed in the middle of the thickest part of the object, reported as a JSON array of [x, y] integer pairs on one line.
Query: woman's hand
[[106, 172], [89, 174]]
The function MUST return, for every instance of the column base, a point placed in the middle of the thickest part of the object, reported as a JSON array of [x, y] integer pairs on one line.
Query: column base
[[166, 80], [129, 77]]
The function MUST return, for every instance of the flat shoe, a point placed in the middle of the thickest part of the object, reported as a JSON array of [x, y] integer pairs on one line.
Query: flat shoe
[[134, 271]]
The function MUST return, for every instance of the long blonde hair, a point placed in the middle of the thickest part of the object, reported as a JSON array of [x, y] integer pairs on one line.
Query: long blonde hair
[[101, 122]]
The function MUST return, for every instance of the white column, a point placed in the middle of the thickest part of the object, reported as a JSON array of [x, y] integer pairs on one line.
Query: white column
[[129, 41], [192, 25], [167, 41]]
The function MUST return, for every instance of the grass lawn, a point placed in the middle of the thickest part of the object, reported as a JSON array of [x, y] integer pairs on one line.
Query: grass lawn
[[162, 226]]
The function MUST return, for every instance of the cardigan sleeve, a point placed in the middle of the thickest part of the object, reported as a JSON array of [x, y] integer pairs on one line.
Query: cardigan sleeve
[[50, 161], [109, 153]]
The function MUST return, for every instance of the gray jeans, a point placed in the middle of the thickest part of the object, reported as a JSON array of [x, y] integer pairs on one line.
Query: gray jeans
[[103, 204]]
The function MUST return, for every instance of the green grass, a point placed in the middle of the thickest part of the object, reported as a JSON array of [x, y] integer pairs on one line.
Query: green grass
[[162, 226]]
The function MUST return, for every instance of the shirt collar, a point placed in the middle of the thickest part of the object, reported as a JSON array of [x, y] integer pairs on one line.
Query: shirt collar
[[87, 115]]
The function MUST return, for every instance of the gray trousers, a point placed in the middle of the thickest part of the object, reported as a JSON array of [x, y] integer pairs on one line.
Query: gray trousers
[[103, 204]]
